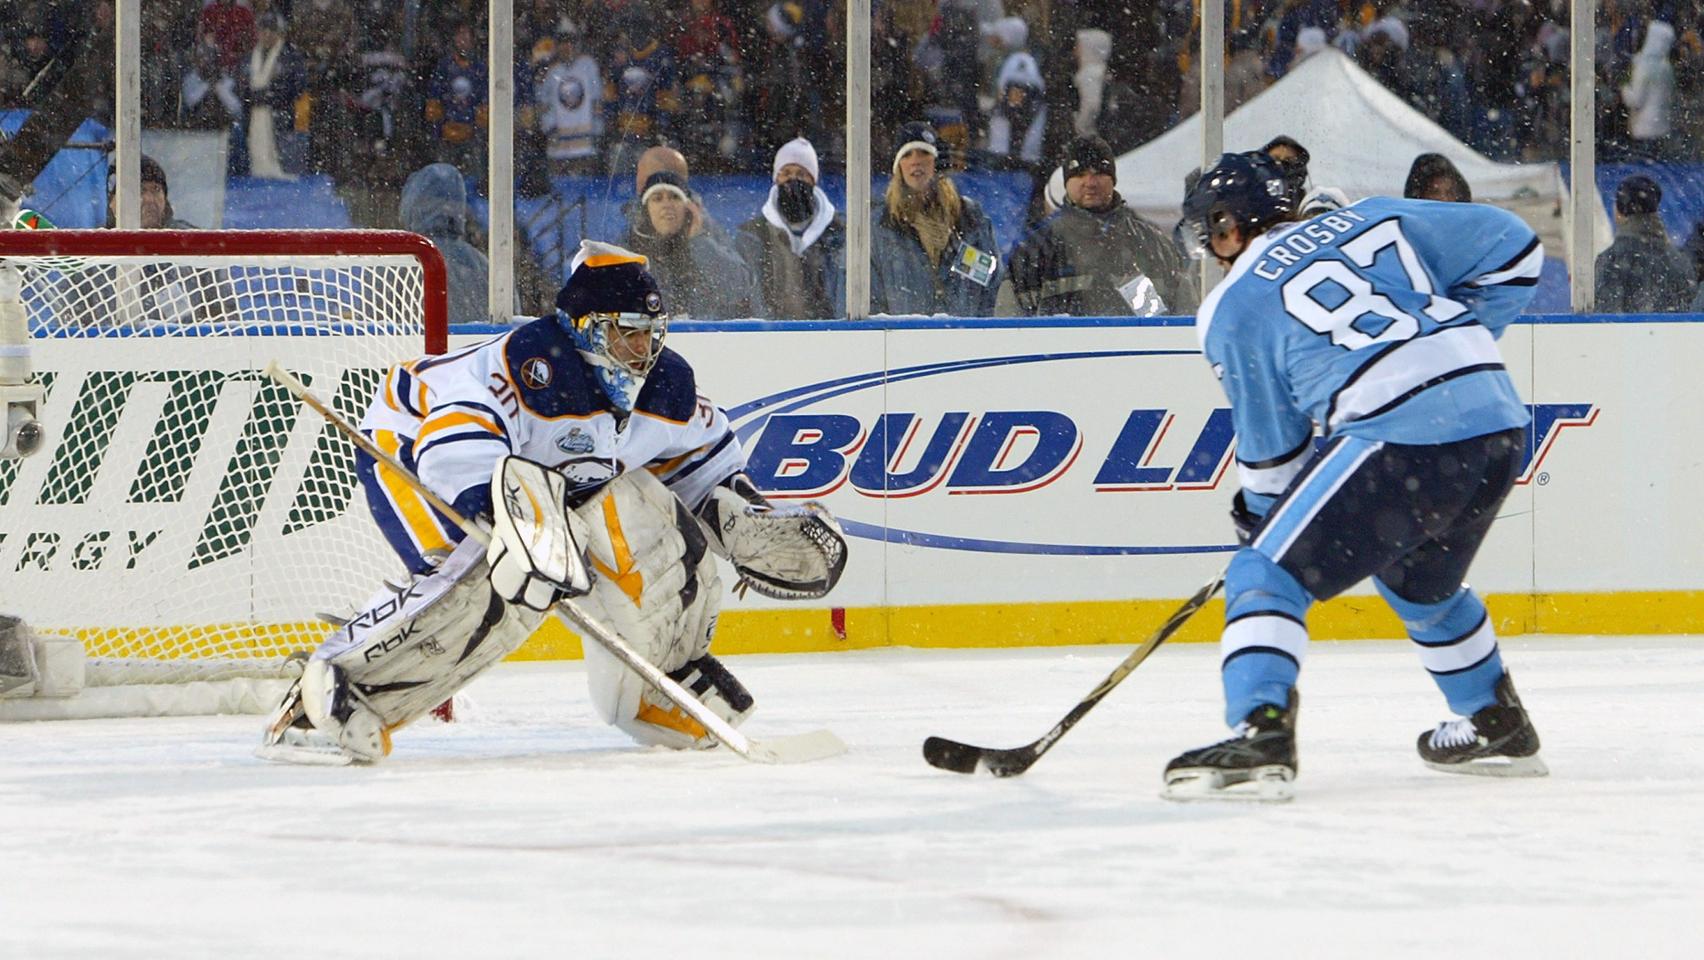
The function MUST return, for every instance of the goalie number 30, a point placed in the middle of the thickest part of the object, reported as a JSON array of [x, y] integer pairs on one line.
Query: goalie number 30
[[1354, 322]]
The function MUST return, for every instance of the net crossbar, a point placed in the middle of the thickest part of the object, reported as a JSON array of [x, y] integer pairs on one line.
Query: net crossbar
[[188, 518]]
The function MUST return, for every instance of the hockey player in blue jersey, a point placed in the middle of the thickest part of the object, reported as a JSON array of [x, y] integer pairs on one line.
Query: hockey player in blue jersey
[[1377, 325]]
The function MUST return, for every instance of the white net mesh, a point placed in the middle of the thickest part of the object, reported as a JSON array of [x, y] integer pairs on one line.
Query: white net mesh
[[187, 514]]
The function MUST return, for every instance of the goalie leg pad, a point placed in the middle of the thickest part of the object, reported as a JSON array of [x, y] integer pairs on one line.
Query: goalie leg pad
[[410, 650], [658, 588]]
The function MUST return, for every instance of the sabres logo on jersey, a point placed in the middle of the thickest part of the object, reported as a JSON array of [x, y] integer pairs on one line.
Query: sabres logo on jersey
[[536, 373]]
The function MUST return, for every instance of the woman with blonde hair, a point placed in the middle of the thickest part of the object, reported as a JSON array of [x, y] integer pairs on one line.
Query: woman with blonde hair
[[931, 250]]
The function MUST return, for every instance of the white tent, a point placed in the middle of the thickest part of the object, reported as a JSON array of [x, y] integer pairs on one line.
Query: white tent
[[1362, 139]]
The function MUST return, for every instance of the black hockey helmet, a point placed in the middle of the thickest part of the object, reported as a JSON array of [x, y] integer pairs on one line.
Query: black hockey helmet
[[1246, 190]]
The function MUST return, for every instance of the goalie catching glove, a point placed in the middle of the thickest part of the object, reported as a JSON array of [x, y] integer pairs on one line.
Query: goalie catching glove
[[785, 552]]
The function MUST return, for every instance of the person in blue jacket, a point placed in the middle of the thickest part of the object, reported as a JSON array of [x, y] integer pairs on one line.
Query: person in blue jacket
[[931, 250]]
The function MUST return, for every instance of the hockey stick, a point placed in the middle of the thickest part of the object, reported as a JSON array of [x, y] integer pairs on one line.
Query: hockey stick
[[964, 758], [800, 748]]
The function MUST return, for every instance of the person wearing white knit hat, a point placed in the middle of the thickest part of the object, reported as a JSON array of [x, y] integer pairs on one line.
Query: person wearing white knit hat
[[796, 245]]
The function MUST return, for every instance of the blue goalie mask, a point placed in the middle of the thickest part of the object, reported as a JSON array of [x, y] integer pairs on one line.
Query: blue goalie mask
[[613, 312]]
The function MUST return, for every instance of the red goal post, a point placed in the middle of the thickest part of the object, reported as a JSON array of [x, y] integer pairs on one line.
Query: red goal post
[[185, 521]]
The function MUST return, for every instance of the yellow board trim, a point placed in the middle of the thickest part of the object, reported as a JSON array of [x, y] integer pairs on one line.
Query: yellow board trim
[[969, 626]]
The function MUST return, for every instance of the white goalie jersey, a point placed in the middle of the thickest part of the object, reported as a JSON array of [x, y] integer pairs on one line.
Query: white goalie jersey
[[529, 393]]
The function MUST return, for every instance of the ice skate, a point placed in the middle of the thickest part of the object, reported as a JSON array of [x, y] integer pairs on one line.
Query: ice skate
[[1256, 765], [1497, 741]]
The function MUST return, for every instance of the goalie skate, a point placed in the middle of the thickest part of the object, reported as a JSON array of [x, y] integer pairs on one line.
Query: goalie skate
[[1256, 765], [1497, 741], [291, 738]]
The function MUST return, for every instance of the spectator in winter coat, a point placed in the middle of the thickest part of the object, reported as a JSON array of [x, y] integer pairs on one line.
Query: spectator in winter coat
[[275, 75], [701, 277], [1642, 272], [1095, 256], [456, 103], [1020, 108], [796, 247], [434, 205], [931, 250], [1434, 177], [1649, 91], [570, 105]]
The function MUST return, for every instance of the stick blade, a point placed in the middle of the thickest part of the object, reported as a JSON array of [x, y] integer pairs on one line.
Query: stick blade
[[799, 748], [951, 755]]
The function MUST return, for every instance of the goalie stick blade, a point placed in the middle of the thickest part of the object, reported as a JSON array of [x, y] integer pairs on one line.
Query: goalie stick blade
[[800, 748]]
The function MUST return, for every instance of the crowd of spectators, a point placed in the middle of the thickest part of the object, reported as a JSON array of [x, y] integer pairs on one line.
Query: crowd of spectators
[[368, 92], [343, 83]]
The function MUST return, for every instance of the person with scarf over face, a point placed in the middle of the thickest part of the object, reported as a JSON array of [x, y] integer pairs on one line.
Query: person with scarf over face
[[700, 275], [931, 250], [796, 247]]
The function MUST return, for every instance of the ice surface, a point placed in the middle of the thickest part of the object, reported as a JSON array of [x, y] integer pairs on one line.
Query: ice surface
[[530, 830]]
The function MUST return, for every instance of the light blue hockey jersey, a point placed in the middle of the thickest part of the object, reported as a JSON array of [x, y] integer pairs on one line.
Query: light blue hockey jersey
[[1378, 320]]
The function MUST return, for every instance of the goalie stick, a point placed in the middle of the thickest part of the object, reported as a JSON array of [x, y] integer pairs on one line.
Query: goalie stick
[[964, 758], [799, 748]]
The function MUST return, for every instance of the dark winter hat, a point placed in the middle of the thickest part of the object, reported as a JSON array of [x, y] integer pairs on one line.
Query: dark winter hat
[[1089, 154], [916, 135], [1638, 194], [609, 279], [1295, 167], [1431, 169], [664, 180], [152, 172]]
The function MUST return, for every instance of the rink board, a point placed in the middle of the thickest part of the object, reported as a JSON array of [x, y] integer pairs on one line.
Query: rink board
[[1066, 481], [1002, 483]]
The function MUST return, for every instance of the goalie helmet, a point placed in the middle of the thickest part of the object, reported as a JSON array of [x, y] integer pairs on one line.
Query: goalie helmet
[[1245, 190], [613, 312]]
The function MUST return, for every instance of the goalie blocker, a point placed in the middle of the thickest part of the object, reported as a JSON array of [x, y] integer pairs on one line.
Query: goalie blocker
[[633, 555]]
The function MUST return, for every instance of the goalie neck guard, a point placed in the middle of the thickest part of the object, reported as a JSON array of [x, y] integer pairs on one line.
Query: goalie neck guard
[[613, 311]]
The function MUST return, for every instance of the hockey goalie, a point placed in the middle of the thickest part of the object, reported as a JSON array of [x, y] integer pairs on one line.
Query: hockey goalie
[[649, 477]]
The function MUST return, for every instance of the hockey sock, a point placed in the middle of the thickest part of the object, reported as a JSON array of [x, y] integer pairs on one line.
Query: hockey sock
[[1457, 646], [1265, 637]]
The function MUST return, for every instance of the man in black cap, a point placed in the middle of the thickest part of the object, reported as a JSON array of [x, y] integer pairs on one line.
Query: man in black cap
[[156, 200], [1095, 256], [1642, 272], [1434, 177]]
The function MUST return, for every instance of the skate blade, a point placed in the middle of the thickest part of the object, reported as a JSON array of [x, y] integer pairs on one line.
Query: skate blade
[[303, 756], [1270, 784], [1496, 767]]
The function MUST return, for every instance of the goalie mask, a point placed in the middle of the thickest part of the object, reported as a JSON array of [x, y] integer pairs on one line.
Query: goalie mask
[[613, 312]]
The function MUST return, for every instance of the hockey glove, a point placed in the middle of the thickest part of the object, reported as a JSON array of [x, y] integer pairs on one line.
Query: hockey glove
[[783, 551], [1246, 520], [537, 554]]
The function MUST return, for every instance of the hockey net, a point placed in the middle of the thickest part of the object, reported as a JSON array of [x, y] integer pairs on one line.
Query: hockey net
[[187, 522]]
